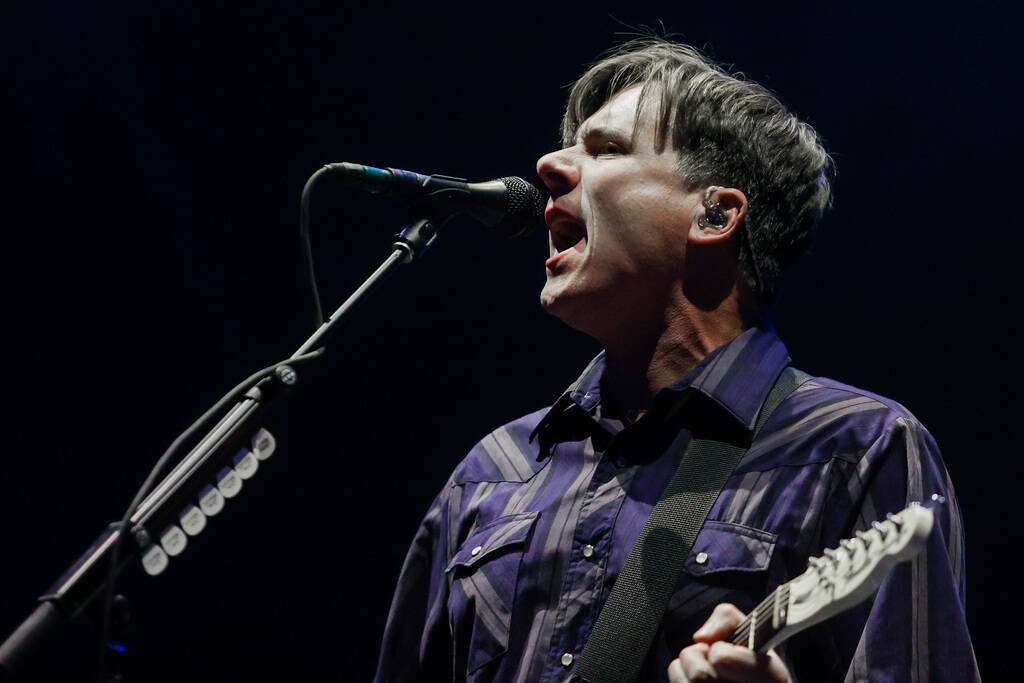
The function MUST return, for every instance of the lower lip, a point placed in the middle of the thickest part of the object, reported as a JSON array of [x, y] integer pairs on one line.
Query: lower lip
[[554, 260]]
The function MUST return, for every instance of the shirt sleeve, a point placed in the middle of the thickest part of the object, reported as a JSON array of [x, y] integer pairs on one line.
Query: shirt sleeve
[[915, 627], [417, 640]]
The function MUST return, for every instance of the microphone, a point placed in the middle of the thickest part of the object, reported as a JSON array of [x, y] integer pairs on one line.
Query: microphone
[[512, 206]]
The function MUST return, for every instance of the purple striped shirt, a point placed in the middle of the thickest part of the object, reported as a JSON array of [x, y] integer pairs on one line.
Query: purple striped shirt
[[509, 570]]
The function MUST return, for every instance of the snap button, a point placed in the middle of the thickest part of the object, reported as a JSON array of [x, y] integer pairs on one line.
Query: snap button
[[476, 551], [588, 551], [701, 558], [567, 659]]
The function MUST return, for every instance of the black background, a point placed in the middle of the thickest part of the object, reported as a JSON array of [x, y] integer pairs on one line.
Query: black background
[[154, 158]]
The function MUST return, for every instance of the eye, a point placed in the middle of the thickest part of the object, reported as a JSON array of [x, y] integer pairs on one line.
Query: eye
[[609, 148]]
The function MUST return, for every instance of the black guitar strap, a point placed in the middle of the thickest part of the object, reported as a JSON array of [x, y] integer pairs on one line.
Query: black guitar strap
[[629, 620]]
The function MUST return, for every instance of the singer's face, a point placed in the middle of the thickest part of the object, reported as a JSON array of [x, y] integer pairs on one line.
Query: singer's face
[[618, 220]]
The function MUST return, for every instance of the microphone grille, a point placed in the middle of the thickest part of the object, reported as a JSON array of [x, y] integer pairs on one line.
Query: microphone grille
[[525, 208]]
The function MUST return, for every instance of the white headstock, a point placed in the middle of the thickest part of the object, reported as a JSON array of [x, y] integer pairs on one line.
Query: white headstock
[[839, 579], [845, 575]]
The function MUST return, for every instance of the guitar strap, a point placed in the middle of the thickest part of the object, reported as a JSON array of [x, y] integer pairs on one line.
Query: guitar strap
[[629, 620]]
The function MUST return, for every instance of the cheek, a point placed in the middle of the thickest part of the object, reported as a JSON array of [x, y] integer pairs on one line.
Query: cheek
[[650, 228]]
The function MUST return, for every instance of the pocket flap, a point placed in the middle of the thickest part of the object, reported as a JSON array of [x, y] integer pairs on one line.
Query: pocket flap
[[501, 534], [723, 546]]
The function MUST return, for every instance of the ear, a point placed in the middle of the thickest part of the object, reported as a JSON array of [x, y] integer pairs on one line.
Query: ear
[[710, 226]]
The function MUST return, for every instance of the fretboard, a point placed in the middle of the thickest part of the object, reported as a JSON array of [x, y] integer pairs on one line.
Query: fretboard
[[764, 621]]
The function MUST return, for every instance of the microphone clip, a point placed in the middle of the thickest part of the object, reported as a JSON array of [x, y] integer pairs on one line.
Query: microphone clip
[[415, 239]]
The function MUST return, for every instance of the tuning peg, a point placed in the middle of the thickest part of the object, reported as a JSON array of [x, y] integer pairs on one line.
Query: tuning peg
[[895, 519]]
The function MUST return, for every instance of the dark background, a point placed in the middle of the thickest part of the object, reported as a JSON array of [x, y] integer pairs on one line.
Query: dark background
[[154, 162]]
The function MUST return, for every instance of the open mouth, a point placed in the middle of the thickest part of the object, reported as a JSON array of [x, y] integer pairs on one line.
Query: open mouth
[[567, 232]]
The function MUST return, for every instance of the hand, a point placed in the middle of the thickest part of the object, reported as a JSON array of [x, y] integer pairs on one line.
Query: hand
[[711, 658]]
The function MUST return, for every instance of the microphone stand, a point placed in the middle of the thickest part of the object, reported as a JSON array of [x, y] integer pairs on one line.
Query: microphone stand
[[86, 578]]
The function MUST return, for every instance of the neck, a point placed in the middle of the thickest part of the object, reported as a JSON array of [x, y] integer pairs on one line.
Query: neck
[[643, 360]]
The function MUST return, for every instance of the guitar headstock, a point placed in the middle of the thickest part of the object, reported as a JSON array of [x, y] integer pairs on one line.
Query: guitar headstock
[[839, 579], [849, 573]]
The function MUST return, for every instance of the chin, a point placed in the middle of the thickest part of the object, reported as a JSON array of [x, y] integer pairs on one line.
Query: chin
[[571, 307], [556, 296]]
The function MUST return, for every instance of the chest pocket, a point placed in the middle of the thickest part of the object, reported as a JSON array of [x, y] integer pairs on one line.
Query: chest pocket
[[483, 576], [728, 563]]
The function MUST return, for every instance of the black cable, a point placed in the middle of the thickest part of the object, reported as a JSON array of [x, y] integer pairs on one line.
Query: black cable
[[232, 396], [307, 245]]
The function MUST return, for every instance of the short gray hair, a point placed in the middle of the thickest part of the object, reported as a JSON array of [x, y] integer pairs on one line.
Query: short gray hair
[[727, 131]]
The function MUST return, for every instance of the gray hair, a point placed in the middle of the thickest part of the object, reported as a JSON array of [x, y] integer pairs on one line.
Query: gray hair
[[727, 131]]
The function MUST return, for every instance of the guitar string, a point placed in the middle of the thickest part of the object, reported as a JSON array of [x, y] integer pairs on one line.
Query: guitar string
[[763, 609], [742, 632]]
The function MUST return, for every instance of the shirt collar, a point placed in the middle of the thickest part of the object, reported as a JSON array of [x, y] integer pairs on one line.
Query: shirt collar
[[736, 376]]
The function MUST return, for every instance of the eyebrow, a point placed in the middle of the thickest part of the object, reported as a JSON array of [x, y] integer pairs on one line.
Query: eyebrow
[[601, 132]]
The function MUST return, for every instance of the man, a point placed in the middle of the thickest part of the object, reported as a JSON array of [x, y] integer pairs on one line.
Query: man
[[680, 197]]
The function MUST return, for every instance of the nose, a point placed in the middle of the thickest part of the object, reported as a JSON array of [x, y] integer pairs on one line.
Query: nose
[[559, 172]]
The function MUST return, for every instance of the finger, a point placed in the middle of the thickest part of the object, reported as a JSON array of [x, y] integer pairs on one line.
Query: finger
[[722, 622], [675, 672], [691, 665], [746, 666]]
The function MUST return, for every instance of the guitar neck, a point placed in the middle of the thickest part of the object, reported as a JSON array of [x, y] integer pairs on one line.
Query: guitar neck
[[764, 622]]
